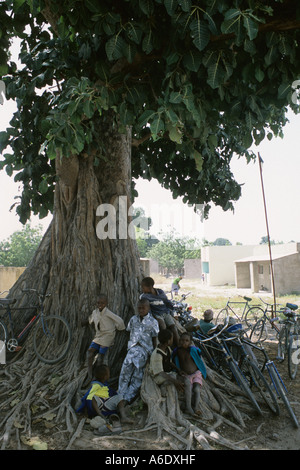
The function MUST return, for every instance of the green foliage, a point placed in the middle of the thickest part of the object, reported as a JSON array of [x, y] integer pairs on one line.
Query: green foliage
[[20, 247], [222, 242], [172, 250], [201, 80]]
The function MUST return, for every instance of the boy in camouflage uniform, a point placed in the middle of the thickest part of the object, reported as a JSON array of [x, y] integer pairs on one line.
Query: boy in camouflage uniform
[[143, 330]]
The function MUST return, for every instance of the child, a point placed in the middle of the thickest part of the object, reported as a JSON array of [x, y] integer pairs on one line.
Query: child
[[102, 400], [175, 286], [160, 306], [188, 359], [162, 369], [106, 323], [143, 330], [206, 324]]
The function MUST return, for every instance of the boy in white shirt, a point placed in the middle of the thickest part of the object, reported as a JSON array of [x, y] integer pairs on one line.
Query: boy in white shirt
[[106, 324]]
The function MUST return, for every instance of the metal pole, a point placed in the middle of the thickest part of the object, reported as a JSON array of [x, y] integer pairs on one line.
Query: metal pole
[[268, 233]]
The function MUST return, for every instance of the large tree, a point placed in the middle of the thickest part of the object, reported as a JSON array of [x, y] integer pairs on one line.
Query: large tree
[[110, 89]]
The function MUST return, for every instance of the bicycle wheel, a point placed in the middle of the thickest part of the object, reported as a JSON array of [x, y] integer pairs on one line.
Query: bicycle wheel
[[241, 381], [222, 315], [3, 332], [259, 384], [52, 339], [282, 348], [253, 315], [293, 354], [259, 331], [281, 392]]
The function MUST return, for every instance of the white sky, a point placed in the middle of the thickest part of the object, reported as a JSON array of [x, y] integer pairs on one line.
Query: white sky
[[281, 173], [247, 225]]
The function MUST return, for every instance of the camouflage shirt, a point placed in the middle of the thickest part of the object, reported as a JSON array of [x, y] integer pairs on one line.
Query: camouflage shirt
[[142, 330]]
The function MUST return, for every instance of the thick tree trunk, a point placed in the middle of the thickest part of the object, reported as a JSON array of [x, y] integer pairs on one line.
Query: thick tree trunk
[[72, 262]]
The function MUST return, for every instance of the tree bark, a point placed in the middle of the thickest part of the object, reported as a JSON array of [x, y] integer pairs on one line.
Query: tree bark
[[72, 262]]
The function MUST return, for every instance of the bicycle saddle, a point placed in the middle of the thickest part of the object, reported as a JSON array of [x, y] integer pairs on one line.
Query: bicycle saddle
[[292, 306]]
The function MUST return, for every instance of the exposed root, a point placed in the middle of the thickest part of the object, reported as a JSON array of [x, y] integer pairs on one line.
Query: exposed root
[[164, 411]]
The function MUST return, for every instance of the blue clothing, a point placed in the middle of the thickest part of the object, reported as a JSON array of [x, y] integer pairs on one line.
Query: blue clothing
[[99, 349], [159, 304], [195, 353], [86, 401]]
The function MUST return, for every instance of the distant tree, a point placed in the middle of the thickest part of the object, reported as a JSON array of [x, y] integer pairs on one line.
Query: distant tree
[[222, 242], [20, 247], [265, 241], [173, 250]]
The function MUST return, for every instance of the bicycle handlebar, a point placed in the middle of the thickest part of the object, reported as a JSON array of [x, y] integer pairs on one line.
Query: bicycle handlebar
[[217, 334]]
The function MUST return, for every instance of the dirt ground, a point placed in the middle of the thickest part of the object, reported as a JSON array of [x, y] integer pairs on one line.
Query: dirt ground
[[268, 432]]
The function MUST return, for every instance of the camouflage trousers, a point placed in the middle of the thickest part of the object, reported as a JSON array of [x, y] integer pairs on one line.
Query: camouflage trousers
[[132, 371]]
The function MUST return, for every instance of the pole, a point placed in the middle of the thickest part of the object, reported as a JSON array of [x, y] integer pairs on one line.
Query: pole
[[268, 233]]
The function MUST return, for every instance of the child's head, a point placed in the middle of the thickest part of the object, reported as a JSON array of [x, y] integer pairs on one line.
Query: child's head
[[165, 337], [185, 340], [102, 301], [143, 307], [147, 284], [101, 372], [208, 315]]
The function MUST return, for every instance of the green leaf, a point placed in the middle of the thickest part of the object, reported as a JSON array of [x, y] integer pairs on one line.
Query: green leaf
[[200, 33], [146, 117], [170, 6], [198, 159], [43, 187], [192, 60], [283, 90], [259, 74], [157, 126], [146, 6], [215, 74], [174, 133], [114, 47], [175, 97], [251, 27]]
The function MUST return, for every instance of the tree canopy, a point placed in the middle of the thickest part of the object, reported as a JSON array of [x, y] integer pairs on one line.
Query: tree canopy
[[19, 248], [196, 82]]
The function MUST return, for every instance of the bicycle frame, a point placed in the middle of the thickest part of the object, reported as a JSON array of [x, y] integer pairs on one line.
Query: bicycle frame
[[11, 330], [268, 363]]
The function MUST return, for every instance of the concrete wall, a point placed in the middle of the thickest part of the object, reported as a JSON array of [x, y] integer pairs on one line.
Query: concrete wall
[[287, 274], [221, 262], [192, 268], [8, 276]]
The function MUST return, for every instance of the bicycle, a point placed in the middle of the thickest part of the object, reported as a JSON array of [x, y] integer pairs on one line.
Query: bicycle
[[249, 311], [261, 325], [248, 364], [222, 359], [276, 379], [51, 341], [288, 339]]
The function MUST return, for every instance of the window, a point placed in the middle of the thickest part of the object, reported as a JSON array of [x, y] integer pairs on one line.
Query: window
[[260, 269]]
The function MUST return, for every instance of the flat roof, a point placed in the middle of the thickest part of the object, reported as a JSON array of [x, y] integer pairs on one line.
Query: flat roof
[[250, 259]]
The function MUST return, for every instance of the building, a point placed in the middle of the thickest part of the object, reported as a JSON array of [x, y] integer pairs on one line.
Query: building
[[218, 263], [8, 276], [248, 267], [254, 272]]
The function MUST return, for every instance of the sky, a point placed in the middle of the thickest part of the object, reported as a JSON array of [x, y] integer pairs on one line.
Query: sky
[[246, 225]]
